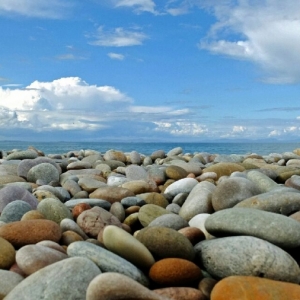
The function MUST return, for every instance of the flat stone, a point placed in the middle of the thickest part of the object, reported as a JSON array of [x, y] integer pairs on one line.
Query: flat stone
[[184, 185], [169, 220], [248, 287], [125, 245], [25, 154], [275, 228], [66, 279], [246, 256], [92, 202], [190, 167], [165, 242], [107, 261], [224, 169], [90, 185], [111, 194], [137, 186]]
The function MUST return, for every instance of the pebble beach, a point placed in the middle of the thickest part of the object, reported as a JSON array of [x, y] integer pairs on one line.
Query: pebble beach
[[166, 226]]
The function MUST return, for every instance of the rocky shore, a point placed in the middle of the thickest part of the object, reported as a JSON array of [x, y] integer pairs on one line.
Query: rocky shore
[[168, 226]]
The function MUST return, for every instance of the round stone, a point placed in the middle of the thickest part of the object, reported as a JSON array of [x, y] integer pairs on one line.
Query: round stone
[[150, 212], [169, 220], [8, 280], [45, 172], [176, 172], [14, 211], [180, 293], [7, 254]]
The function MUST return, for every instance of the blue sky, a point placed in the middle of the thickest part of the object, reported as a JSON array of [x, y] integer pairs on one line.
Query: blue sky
[[149, 70]]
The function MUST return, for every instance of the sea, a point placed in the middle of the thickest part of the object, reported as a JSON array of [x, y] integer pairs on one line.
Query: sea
[[148, 148]]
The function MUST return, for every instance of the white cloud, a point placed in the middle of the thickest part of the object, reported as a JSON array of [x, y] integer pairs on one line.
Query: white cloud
[[36, 8], [138, 5], [182, 128], [264, 32], [119, 37], [116, 56], [238, 129]]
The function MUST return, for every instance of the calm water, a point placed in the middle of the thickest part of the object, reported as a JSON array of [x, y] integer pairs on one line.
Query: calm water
[[148, 148]]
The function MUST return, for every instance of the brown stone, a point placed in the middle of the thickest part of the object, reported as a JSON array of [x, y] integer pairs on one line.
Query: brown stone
[[111, 194], [68, 237], [224, 169], [79, 208], [206, 285], [32, 215], [176, 172], [181, 293], [194, 234], [7, 254], [254, 288], [26, 232]]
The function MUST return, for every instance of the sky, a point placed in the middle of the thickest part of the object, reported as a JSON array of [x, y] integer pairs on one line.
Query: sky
[[149, 70]]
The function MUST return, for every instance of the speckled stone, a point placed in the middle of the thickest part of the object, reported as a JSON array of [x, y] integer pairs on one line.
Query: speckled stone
[[246, 256], [124, 244], [7, 254], [165, 242], [68, 224], [45, 172], [275, 228], [150, 212], [175, 272], [54, 210], [114, 286], [107, 261], [66, 279], [248, 287], [169, 220], [32, 215], [22, 233], [14, 211], [180, 293]]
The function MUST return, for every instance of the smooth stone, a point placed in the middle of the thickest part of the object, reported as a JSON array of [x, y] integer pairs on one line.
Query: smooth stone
[[190, 167], [93, 221], [114, 286], [134, 172], [111, 194], [180, 198], [147, 161], [154, 198], [181, 293], [170, 220], [150, 212], [118, 180], [68, 224], [206, 286], [173, 208], [137, 186], [224, 169], [6, 179], [184, 185], [22, 233], [176, 172], [115, 155], [132, 219], [45, 172], [14, 211], [135, 157], [41, 195], [130, 201], [77, 165], [175, 272], [52, 245], [157, 174], [32, 258], [125, 245], [68, 237], [25, 154], [231, 191], [281, 202], [117, 209], [274, 228], [32, 215], [92, 202], [158, 154], [262, 182], [198, 201], [54, 210], [165, 242], [175, 151], [7, 254], [90, 184], [107, 261], [8, 281], [72, 187], [11, 193], [66, 279], [198, 221], [248, 287], [194, 234], [246, 256], [293, 182]]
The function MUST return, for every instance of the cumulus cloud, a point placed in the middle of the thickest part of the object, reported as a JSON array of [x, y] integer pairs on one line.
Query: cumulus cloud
[[263, 32], [138, 5], [118, 37], [54, 9], [116, 56], [182, 128]]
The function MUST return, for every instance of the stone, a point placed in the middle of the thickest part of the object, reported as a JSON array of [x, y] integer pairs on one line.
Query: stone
[[175, 272], [282, 202], [150, 212], [169, 220], [22, 233], [72, 187], [134, 172], [194, 234], [175, 172], [77, 165], [165, 242], [198, 201], [111, 194], [54, 210], [231, 191], [175, 151], [157, 174], [68, 237], [91, 202], [7, 254], [275, 228], [68, 224], [32, 258], [206, 286], [293, 182], [32, 215], [181, 293], [125, 245], [25, 154], [115, 155], [158, 154], [114, 286], [198, 221], [107, 261], [137, 186], [52, 245], [190, 167], [45, 172], [90, 184], [8, 280], [248, 287], [7, 179], [118, 211], [11, 193], [262, 182], [154, 198], [41, 195], [14, 211], [184, 185], [246, 256], [224, 169], [135, 157], [66, 279]]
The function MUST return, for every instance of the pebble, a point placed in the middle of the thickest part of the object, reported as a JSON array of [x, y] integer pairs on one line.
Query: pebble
[[7, 254], [184, 185], [150, 212], [14, 211], [8, 280], [111, 194], [224, 169], [91, 202], [248, 287], [181, 293], [169, 220], [275, 228], [107, 261], [194, 234], [66, 279], [246, 256], [176, 172], [44, 172]]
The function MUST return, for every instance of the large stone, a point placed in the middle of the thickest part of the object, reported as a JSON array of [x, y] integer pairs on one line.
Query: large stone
[[111, 194], [25, 154], [246, 256], [44, 172], [134, 172], [165, 242], [184, 185], [198, 201], [115, 155], [169, 220], [66, 279], [224, 169], [263, 183], [107, 261], [14, 211], [150, 212], [7, 254], [275, 228], [176, 172], [8, 280], [248, 287]]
